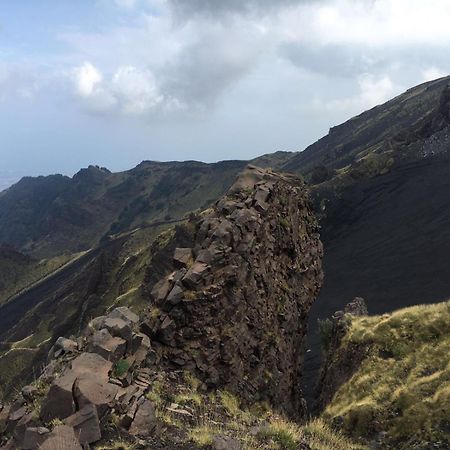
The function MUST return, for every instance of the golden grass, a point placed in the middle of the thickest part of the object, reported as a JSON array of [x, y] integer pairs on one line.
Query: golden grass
[[403, 386]]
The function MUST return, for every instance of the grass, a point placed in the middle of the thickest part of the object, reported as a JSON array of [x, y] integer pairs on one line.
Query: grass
[[220, 413], [121, 368], [282, 434], [403, 385]]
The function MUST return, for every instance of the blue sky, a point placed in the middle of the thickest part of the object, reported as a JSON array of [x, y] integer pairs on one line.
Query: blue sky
[[113, 82]]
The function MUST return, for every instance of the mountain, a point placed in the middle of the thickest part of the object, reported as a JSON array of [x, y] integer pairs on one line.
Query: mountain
[[46, 216]]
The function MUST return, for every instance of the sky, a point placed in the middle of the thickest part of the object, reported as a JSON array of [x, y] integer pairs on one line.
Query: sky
[[114, 82]]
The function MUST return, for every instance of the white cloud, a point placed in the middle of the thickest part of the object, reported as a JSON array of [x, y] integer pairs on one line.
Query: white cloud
[[87, 77], [433, 73], [136, 89], [372, 91], [130, 91]]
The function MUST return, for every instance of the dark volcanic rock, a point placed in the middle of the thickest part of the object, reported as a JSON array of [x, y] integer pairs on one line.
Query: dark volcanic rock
[[238, 315]]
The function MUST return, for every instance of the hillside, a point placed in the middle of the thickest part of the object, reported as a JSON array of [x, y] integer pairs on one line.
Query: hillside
[[47, 216], [387, 378]]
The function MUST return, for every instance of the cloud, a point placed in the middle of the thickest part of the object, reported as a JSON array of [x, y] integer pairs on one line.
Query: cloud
[[87, 77], [20, 80], [129, 91], [372, 91], [433, 73], [219, 8]]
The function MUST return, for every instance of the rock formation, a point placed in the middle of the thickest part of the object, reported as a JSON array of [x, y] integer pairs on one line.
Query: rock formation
[[233, 314], [339, 366], [235, 310]]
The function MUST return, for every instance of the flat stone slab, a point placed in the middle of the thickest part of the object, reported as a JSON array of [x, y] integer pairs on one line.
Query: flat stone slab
[[92, 363], [61, 438]]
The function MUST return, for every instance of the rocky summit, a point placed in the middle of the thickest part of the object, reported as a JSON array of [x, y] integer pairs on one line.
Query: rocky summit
[[231, 319], [235, 310]]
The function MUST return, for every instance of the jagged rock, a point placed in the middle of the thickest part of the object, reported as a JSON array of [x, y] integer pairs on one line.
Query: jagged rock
[[225, 443], [109, 347], [59, 403], [161, 290], [62, 346], [182, 257], [118, 328], [86, 424], [195, 274], [91, 363], [97, 323], [357, 307], [89, 390], [144, 421], [175, 296], [239, 315], [61, 438], [25, 422], [124, 313], [34, 437], [140, 347]]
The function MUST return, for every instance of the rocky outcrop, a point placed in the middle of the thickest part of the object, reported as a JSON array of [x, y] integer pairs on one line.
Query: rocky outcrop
[[235, 310], [340, 364], [85, 381], [233, 314]]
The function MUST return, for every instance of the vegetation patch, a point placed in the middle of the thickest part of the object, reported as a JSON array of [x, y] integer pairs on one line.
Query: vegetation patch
[[403, 385]]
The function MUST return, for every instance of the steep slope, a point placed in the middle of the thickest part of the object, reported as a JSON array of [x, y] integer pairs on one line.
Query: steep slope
[[109, 275], [387, 378], [384, 132], [379, 183]]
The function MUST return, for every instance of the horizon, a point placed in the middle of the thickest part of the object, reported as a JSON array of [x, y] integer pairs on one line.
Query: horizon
[[199, 80]]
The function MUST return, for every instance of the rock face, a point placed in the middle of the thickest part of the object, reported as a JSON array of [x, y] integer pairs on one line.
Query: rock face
[[235, 311], [339, 366]]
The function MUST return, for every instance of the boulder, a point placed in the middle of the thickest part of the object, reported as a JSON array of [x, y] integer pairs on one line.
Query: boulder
[[161, 290], [118, 328], [175, 296], [109, 347], [182, 257], [59, 401], [34, 437], [61, 438], [144, 422], [195, 274], [124, 313], [92, 363], [88, 390], [86, 424], [357, 307], [28, 420]]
